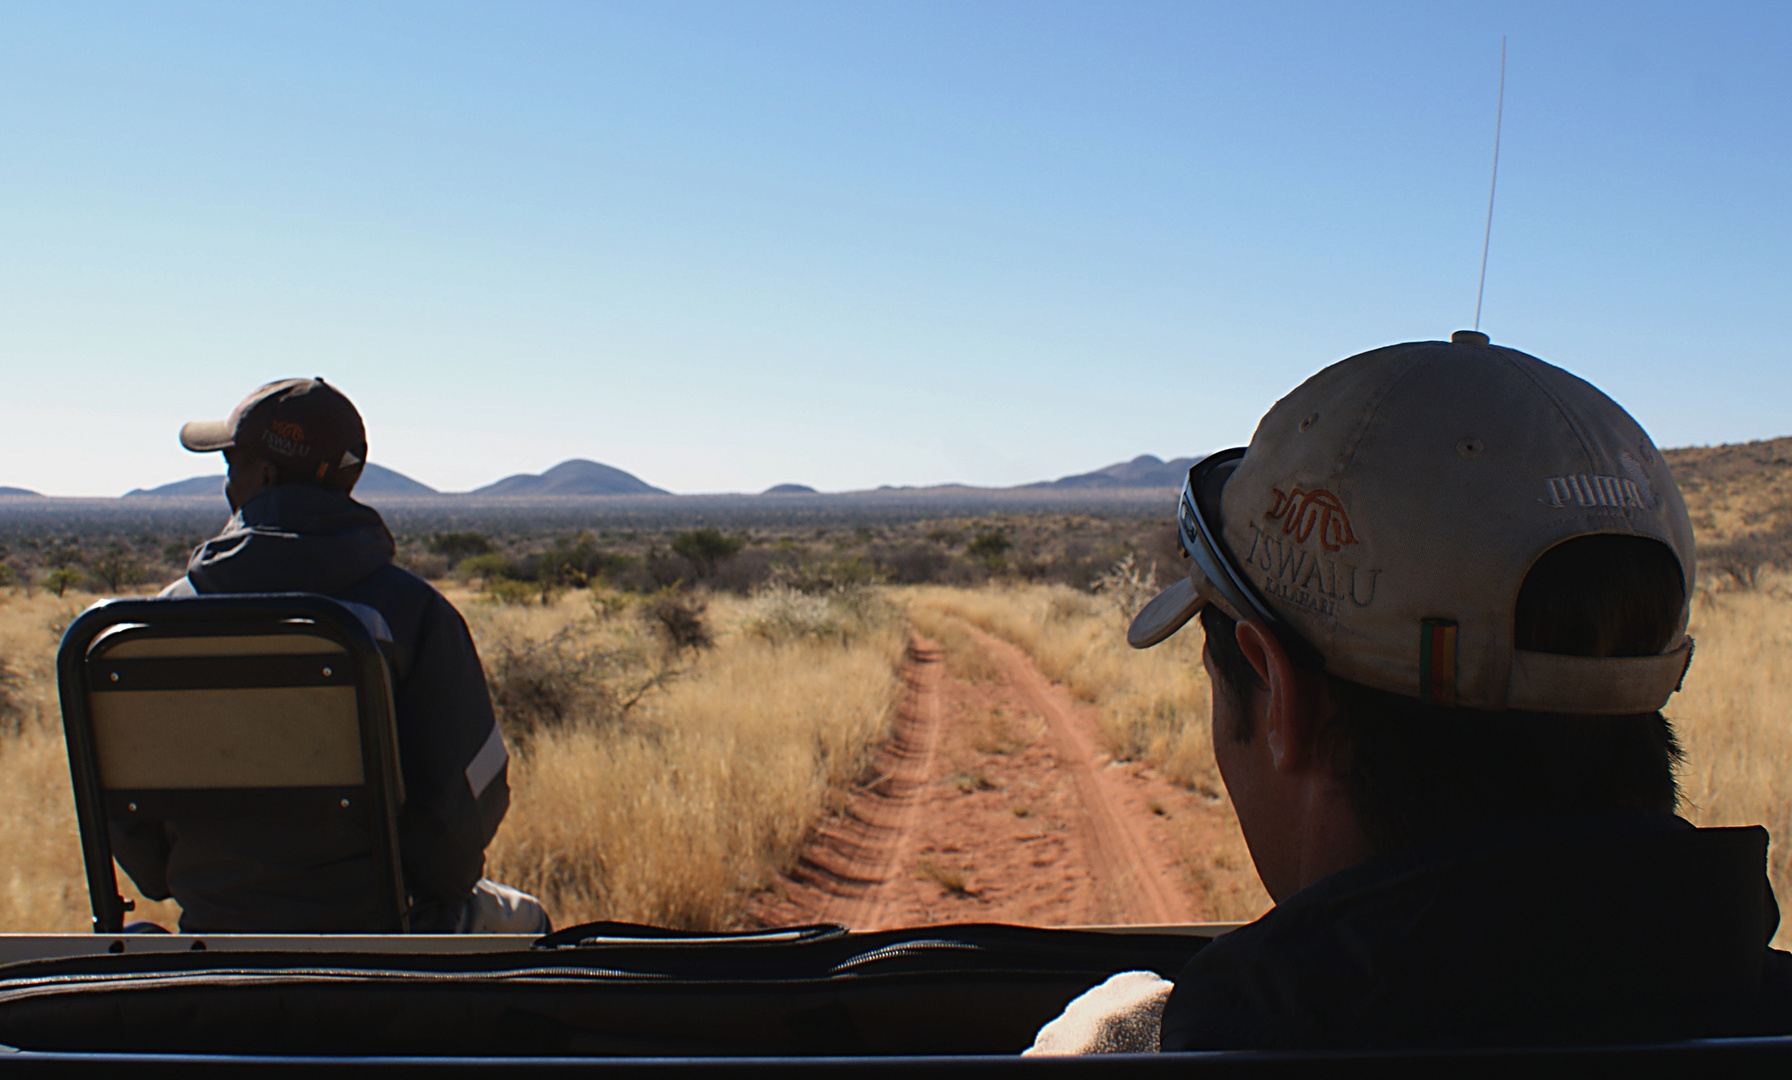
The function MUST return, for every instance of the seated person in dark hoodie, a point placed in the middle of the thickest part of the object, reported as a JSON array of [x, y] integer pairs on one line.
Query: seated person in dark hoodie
[[295, 450], [1445, 595]]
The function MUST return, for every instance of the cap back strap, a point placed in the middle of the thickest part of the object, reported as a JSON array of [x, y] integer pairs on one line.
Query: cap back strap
[[1596, 685], [1437, 662]]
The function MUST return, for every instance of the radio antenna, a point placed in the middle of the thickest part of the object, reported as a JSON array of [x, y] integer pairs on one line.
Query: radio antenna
[[1499, 115]]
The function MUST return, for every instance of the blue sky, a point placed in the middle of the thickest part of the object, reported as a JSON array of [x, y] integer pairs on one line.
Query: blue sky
[[728, 245]]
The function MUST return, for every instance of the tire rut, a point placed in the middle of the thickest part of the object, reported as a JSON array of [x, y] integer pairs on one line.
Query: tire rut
[[967, 823]]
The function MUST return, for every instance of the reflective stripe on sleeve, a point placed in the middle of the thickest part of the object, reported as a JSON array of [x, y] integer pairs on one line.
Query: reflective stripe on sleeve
[[487, 763]]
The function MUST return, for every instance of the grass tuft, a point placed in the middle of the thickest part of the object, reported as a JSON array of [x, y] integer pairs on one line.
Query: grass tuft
[[945, 877]]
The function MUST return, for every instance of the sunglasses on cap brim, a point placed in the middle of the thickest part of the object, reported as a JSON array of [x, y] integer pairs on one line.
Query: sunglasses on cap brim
[[1217, 577]]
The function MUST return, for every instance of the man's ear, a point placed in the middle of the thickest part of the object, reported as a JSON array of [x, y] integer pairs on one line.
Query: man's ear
[[1296, 704]]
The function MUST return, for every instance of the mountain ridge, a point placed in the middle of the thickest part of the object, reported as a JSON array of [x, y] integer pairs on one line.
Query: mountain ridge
[[375, 480], [1696, 468], [573, 477], [582, 477], [1144, 471]]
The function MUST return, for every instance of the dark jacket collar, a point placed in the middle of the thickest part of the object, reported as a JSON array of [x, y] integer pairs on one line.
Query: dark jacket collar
[[1543, 930], [296, 538]]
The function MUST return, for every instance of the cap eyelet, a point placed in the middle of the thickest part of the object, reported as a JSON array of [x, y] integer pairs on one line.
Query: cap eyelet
[[1309, 421], [1470, 448]]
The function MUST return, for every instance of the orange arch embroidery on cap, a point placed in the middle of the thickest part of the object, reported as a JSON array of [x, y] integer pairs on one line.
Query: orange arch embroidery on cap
[[288, 429], [1302, 513]]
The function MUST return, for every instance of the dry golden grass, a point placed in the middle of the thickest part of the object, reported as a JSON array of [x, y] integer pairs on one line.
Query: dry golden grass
[[671, 814], [42, 884], [965, 659], [1153, 706], [1734, 716], [705, 789], [708, 789]]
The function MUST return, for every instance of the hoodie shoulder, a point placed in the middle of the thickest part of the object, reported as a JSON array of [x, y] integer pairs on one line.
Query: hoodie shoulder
[[395, 591]]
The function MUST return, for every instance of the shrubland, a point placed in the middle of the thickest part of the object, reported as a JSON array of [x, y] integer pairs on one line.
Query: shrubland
[[670, 779], [515, 560], [684, 702], [670, 753]]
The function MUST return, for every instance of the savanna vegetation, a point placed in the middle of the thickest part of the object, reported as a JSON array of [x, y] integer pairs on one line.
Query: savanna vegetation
[[670, 753], [685, 703]]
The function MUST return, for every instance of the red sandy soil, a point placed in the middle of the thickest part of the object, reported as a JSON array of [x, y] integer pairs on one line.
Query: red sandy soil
[[994, 803]]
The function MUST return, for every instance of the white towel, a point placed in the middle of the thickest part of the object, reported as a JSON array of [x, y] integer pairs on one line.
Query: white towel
[[1121, 1016]]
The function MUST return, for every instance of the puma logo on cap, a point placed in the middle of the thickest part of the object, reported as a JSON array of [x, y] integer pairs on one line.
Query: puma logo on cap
[[1584, 490]]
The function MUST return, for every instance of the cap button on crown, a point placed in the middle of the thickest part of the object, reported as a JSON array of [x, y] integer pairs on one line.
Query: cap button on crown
[[1469, 337]]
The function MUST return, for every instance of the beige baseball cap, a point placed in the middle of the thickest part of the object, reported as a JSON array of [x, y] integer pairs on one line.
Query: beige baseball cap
[[1387, 511]]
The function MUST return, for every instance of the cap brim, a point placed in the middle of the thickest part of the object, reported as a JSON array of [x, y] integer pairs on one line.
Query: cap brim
[[1167, 613], [204, 436]]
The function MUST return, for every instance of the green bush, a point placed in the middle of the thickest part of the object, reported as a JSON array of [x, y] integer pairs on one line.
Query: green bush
[[707, 547], [457, 547], [829, 575], [511, 591], [576, 562], [117, 569], [487, 567], [990, 547], [60, 556], [61, 578]]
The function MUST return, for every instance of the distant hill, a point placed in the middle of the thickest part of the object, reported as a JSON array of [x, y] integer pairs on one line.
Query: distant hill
[[188, 488], [375, 480], [379, 480], [1738, 492], [4, 491], [576, 477], [1144, 471], [581, 477]]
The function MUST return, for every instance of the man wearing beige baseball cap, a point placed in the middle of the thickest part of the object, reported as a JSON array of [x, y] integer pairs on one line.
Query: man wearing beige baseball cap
[[1445, 595], [294, 450]]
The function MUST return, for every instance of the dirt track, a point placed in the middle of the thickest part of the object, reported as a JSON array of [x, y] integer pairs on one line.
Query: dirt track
[[993, 802]]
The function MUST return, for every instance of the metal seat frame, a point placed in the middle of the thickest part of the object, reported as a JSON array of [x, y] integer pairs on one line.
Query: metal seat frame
[[82, 671]]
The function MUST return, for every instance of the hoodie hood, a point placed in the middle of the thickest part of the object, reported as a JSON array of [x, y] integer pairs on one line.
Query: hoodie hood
[[293, 538]]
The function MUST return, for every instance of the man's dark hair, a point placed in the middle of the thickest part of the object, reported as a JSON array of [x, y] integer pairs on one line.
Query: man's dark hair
[[340, 480], [1417, 772]]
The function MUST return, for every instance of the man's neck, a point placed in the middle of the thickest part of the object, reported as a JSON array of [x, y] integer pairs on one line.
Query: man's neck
[[1330, 838]]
